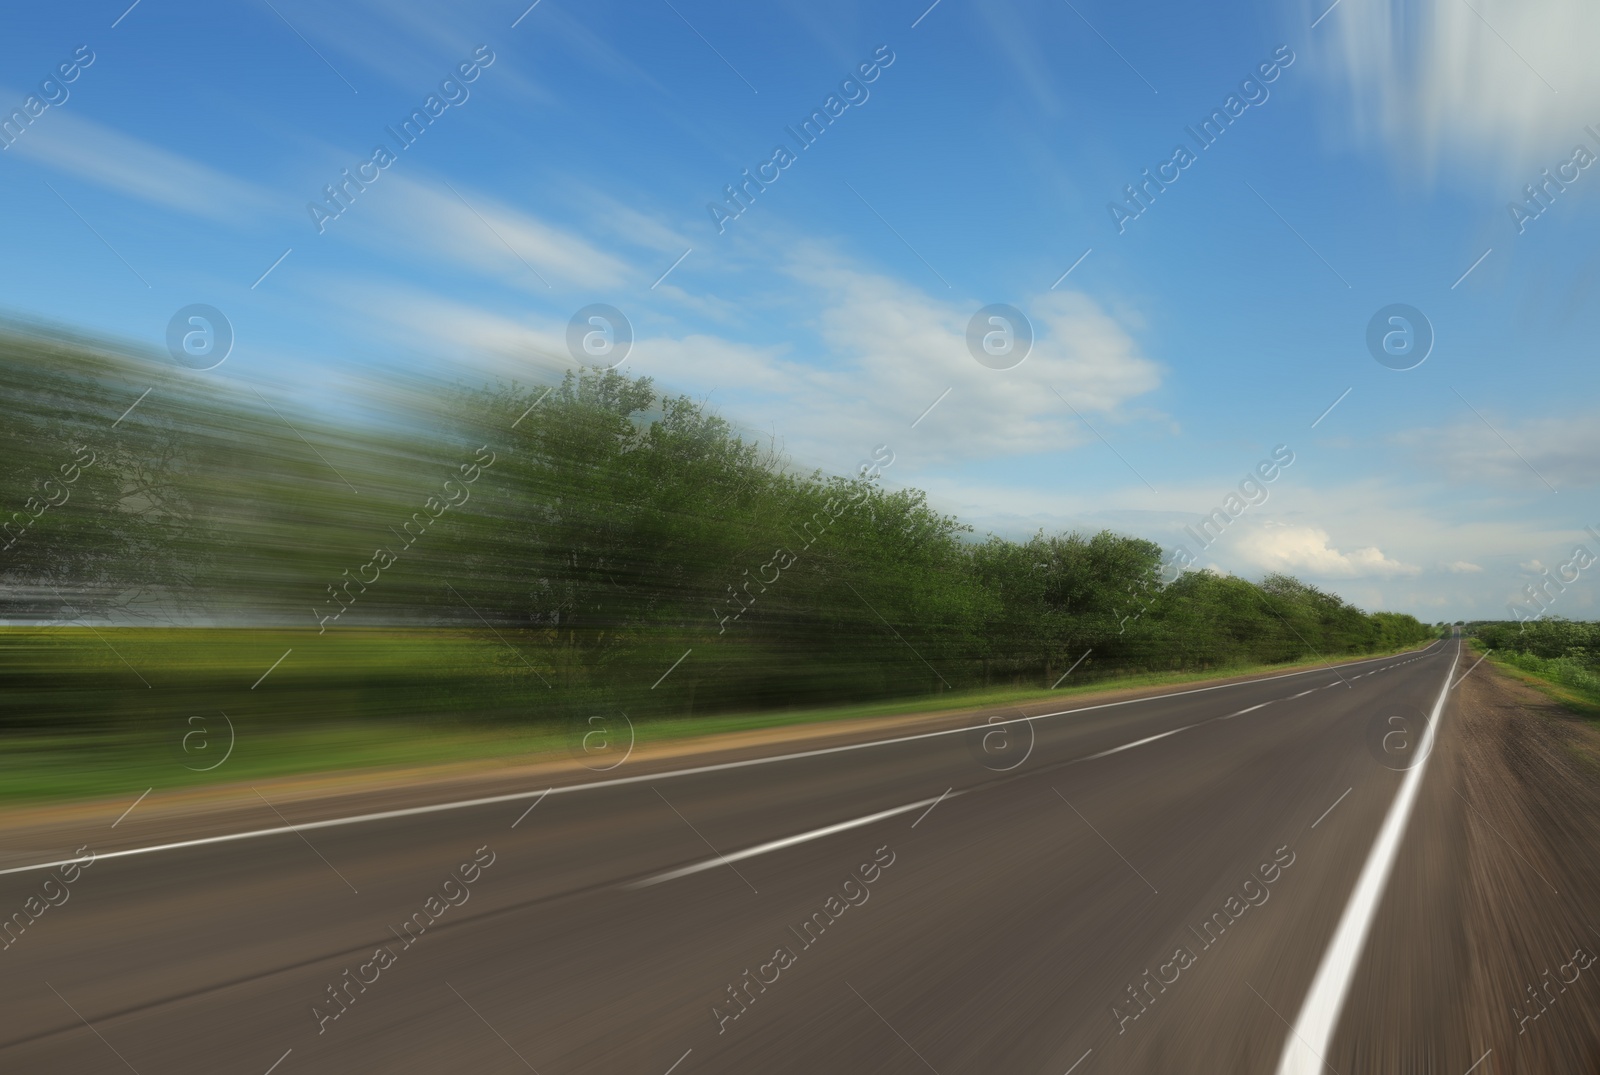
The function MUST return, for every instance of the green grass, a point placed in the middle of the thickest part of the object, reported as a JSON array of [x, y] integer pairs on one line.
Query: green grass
[[1573, 683], [347, 706]]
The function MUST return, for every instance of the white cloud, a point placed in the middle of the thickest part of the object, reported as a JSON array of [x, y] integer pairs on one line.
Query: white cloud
[[1445, 80], [474, 230], [526, 347], [1306, 548], [1463, 567], [888, 352], [86, 149], [898, 350], [1559, 449]]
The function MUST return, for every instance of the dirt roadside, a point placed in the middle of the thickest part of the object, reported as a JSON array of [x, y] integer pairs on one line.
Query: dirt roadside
[[47, 831], [1526, 779]]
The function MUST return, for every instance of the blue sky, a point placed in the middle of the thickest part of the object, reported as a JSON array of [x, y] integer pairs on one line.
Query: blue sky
[[978, 165]]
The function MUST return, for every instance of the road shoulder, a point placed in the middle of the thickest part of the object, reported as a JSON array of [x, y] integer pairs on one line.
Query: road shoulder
[[41, 832]]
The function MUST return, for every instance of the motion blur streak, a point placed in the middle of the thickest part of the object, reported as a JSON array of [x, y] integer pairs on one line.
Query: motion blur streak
[[1313, 1030]]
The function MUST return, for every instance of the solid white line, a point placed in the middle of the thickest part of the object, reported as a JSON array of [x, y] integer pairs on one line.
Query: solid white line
[[1319, 1015], [778, 845], [696, 770]]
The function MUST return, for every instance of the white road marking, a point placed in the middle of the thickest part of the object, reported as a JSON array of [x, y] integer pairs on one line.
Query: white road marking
[[696, 770], [787, 841], [1319, 1015], [1136, 743]]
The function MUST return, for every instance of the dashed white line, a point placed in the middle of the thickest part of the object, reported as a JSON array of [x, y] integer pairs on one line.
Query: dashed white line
[[695, 770], [1140, 742], [778, 845], [1313, 1029]]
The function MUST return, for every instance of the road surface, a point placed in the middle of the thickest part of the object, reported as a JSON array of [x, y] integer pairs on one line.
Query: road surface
[[1222, 880]]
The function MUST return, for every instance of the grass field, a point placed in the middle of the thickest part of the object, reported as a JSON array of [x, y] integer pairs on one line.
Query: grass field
[[1572, 683], [111, 712]]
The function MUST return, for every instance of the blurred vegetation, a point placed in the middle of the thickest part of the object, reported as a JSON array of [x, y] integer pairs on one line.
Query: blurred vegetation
[[1560, 651], [521, 553]]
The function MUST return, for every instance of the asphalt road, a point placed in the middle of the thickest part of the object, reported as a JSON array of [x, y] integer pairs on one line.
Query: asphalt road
[[1019, 907]]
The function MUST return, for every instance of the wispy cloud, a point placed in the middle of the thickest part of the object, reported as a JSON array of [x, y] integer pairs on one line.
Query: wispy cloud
[[93, 152], [877, 353], [469, 228], [1441, 81], [1561, 448]]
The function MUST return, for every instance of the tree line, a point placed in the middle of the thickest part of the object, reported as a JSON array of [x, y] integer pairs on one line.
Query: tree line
[[1562, 650], [606, 529]]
